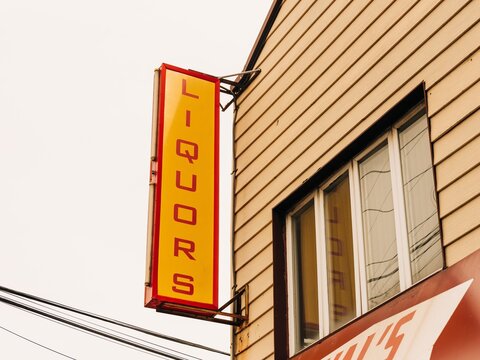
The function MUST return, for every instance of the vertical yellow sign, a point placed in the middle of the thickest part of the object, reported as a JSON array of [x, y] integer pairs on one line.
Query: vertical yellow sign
[[185, 226]]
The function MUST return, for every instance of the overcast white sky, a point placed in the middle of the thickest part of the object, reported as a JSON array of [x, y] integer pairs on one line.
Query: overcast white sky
[[75, 123]]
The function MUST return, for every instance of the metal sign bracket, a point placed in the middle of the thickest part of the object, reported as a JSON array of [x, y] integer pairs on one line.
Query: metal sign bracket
[[236, 87], [237, 318]]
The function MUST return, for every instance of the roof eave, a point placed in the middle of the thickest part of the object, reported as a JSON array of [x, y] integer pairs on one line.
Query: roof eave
[[243, 80]]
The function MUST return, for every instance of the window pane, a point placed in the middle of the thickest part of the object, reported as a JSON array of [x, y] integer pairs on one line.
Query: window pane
[[339, 246], [305, 277], [380, 246], [423, 228]]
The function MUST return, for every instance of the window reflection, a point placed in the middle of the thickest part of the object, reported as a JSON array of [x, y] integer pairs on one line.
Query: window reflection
[[423, 228], [339, 246], [305, 272], [380, 245]]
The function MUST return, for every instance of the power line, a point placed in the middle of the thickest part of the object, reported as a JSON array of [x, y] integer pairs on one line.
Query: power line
[[110, 320], [104, 327], [88, 329], [36, 343], [97, 336]]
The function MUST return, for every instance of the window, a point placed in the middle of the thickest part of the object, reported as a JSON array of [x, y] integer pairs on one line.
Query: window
[[367, 233], [304, 257]]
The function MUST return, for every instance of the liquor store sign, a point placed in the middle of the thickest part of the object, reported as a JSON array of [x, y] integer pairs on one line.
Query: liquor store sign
[[184, 245]]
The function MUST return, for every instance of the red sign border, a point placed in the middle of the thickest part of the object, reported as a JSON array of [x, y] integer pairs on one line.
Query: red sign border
[[152, 299]]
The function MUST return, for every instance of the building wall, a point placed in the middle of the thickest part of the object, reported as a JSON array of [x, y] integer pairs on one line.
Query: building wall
[[331, 69]]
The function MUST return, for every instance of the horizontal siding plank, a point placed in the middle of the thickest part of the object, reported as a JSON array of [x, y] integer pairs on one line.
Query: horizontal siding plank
[[255, 266], [254, 331], [264, 232], [250, 257], [261, 283], [454, 84], [461, 134], [461, 222], [261, 305], [458, 164], [464, 47], [456, 111], [242, 241], [459, 192], [303, 155], [262, 349], [252, 247], [463, 247], [259, 222]]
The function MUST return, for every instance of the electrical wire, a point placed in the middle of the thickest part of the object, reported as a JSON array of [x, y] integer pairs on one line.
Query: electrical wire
[[110, 320], [99, 337], [88, 333], [89, 329], [106, 328], [36, 343]]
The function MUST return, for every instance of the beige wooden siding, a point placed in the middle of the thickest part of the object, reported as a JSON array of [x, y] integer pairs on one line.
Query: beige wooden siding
[[460, 192], [261, 283], [258, 329], [458, 164], [259, 263], [263, 349], [331, 69], [458, 136], [292, 139], [466, 245], [244, 251], [456, 148]]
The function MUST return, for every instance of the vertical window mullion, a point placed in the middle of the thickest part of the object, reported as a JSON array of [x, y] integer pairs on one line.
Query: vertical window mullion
[[358, 253], [322, 265], [290, 288], [358, 236], [399, 211]]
